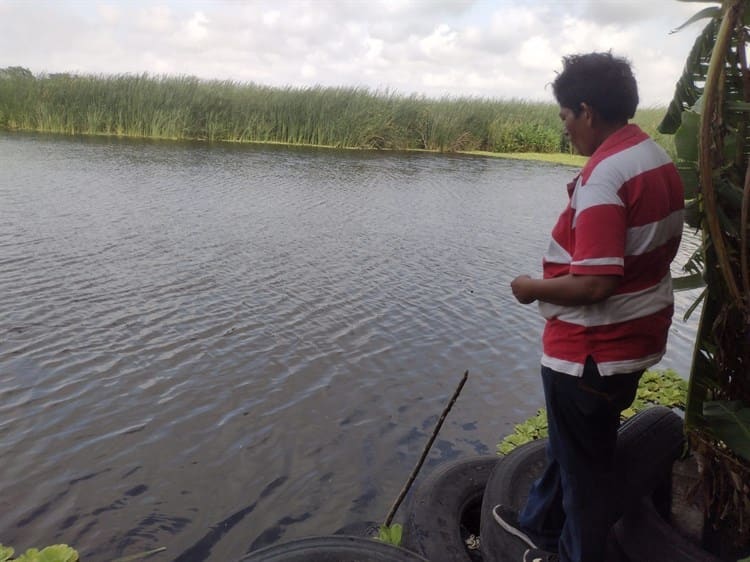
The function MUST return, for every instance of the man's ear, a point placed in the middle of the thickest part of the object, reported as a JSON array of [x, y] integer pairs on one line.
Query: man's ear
[[588, 113]]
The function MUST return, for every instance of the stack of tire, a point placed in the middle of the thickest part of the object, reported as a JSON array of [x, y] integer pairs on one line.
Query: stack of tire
[[333, 548], [455, 503], [457, 500]]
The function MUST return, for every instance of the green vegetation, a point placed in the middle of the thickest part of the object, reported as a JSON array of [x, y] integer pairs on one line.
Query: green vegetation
[[710, 119], [664, 388], [54, 553], [188, 108], [64, 553], [390, 534], [533, 428], [553, 158]]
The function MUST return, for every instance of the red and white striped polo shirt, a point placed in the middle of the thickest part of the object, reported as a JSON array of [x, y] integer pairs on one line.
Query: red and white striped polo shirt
[[624, 218]]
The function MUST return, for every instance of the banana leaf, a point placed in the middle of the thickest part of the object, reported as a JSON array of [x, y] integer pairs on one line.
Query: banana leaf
[[686, 137], [688, 282], [730, 197], [703, 382], [689, 87], [710, 12], [694, 306], [710, 116], [692, 214], [739, 106], [689, 175], [729, 421]]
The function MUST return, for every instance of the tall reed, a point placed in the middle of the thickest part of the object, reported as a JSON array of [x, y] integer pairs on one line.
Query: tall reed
[[188, 108]]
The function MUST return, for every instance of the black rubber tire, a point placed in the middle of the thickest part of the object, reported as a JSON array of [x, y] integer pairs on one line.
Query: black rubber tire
[[367, 529], [333, 548], [648, 444], [509, 485], [644, 535], [449, 498]]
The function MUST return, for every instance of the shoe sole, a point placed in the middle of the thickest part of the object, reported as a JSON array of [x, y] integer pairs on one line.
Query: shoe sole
[[513, 531]]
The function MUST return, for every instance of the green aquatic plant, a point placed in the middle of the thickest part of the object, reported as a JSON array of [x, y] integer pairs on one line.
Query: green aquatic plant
[[390, 534], [61, 553], [533, 428], [663, 388], [54, 553]]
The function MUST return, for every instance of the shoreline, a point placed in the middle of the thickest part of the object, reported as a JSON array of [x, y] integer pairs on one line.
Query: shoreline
[[563, 159]]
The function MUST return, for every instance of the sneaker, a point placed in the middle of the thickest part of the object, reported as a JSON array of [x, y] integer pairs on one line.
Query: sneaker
[[539, 555], [508, 519]]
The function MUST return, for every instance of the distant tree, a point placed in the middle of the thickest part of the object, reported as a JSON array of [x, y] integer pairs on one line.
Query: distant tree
[[15, 72]]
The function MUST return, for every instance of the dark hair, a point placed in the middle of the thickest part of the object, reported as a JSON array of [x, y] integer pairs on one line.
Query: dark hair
[[601, 80]]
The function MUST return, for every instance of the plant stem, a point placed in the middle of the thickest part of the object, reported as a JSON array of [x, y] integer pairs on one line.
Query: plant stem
[[426, 450], [711, 118]]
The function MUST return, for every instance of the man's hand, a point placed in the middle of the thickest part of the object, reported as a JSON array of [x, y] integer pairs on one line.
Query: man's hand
[[522, 289]]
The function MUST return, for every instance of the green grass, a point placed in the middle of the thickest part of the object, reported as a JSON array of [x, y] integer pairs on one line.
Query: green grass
[[188, 108], [553, 158]]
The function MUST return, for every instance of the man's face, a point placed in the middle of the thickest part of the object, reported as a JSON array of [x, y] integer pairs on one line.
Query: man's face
[[578, 130]]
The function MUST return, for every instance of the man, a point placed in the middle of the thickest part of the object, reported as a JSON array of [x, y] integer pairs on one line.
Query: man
[[606, 294]]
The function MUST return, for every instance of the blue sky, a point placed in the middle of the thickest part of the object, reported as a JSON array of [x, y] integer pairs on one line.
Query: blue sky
[[499, 49]]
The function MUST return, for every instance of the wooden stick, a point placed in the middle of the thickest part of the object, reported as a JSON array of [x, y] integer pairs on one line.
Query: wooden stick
[[426, 450], [141, 555]]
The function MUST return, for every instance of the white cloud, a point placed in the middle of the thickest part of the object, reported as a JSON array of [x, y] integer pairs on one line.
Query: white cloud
[[271, 17], [535, 54], [431, 47], [157, 64], [438, 43], [515, 21], [109, 13], [155, 19], [195, 29], [374, 50], [584, 35]]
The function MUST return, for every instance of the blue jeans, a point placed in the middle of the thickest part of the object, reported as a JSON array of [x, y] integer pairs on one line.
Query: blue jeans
[[573, 505]]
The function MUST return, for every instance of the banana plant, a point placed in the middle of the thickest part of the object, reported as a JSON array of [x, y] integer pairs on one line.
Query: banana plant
[[709, 116]]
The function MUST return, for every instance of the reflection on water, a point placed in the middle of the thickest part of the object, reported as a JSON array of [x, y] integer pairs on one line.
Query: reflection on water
[[213, 349]]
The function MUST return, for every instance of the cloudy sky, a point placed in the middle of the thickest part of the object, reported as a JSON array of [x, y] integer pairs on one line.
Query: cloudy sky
[[488, 48]]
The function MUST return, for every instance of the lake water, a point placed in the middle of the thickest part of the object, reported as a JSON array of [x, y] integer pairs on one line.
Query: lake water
[[216, 348]]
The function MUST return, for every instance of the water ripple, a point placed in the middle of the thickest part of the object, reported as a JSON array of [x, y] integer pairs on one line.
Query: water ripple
[[212, 348]]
